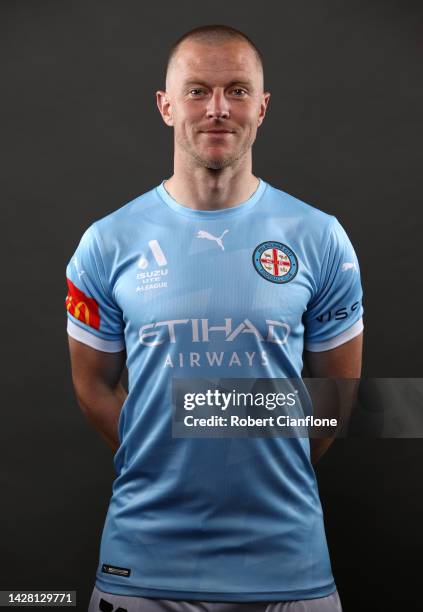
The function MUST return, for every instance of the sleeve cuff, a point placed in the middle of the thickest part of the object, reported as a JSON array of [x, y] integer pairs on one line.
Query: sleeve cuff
[[327, 345], [84, 336]]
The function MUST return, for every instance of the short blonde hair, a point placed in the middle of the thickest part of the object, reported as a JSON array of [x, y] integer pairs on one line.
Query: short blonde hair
[[213, 34]]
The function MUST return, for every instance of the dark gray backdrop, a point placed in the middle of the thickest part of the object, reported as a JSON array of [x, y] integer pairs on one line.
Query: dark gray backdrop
[[81, 136]]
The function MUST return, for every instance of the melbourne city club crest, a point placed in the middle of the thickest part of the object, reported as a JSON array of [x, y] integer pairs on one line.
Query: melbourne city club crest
[[275, 262]]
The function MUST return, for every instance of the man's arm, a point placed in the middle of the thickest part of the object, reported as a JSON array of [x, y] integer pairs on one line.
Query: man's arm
[[96, 377], [341, 362]]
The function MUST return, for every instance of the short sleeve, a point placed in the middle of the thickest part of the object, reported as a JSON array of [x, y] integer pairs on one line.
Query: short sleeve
[[335, 313], [93, 317]]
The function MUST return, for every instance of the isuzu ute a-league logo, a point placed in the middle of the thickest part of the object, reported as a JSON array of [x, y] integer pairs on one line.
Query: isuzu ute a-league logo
[[152, 279], [275, 262]]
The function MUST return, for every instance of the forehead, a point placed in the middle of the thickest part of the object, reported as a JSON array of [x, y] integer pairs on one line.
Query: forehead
[[234, 60]]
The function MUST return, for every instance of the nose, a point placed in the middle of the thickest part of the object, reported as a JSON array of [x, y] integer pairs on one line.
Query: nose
[[218, 106]]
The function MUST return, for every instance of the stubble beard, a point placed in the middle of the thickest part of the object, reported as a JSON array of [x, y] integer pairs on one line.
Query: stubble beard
[[213, 163]]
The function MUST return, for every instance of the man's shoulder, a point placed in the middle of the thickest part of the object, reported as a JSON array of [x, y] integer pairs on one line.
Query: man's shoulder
[[310, 222], [127, 214], [287, 202]]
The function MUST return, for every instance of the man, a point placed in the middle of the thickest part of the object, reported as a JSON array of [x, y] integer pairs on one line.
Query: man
[[213, 273]]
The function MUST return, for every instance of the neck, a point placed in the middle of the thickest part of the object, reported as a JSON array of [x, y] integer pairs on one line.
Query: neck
[[205, 189]]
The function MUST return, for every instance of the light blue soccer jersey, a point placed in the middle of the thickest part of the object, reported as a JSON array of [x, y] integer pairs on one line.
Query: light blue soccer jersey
[[233, 293]]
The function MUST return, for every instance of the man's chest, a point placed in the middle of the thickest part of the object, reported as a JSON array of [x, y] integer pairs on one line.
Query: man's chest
[[212, 282]]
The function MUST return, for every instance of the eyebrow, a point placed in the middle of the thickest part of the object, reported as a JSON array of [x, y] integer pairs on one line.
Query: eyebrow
[[247, 84]]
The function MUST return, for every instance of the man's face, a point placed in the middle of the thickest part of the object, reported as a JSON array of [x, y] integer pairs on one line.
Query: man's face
[[214, 100]]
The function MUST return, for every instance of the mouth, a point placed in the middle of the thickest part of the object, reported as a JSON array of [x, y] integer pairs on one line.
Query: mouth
[[217, 132]]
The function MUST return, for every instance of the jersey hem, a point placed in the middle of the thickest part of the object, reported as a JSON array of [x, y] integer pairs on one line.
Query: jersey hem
[[345, 336], [140, 591]]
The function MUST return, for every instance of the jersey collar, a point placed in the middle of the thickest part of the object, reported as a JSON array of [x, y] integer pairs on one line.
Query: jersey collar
[[211, 214]]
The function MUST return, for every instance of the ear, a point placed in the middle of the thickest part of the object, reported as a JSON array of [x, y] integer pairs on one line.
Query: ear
[[263, 107], [164, 106]]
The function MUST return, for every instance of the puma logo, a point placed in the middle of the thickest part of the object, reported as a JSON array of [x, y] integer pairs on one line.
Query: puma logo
[[106, 606], [218, 239], [349, 266], [78, 269]]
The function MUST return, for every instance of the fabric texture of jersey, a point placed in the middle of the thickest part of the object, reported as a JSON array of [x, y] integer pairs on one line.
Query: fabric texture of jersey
[[234, 293]]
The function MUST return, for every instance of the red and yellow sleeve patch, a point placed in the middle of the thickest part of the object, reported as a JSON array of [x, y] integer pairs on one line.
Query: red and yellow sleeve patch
[[81, 306]]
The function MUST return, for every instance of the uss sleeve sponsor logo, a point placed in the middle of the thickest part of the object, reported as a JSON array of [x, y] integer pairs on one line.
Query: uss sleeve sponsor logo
[[341, 313], [81, 306]]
